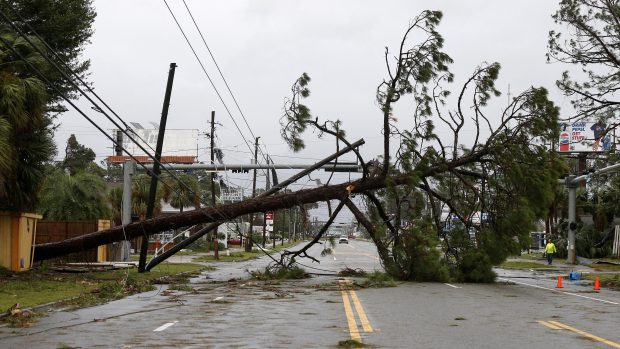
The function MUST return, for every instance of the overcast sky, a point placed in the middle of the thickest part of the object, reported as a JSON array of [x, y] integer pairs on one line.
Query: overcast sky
[[263, 46]]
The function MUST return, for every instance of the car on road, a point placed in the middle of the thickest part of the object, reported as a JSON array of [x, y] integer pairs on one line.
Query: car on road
[[343, 240]]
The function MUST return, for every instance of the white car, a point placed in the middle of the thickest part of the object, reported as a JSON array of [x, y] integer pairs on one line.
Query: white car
[[343, 240]]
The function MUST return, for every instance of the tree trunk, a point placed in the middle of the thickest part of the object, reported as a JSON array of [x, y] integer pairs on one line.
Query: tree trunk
[[211, 214]]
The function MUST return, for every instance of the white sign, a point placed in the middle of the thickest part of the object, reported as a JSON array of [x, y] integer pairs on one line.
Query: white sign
[[176, 142], [584, 136], [231, 194]]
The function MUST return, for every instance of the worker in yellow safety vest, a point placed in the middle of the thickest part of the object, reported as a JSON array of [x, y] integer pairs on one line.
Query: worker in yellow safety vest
[[550, 251]]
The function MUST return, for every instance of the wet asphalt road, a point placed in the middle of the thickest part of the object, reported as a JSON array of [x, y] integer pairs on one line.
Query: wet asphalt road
[[522, 310]]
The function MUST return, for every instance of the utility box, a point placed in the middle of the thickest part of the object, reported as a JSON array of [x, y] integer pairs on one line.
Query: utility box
[[17, 236]]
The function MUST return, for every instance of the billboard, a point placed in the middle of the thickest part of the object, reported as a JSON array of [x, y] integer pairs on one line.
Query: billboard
[[584, 136], [176, 142]]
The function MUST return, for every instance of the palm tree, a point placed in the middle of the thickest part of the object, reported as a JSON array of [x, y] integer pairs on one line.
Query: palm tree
[[184, 191], [78, 197], [140, 196], [25, 128]]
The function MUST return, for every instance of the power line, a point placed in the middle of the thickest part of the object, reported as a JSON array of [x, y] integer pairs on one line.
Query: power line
[[48, 59], [96, 107], [207, 75], [222, 76]]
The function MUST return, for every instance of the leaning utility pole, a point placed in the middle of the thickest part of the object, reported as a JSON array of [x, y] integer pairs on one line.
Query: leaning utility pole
[[156, 171], [215, 240], [248, 242]]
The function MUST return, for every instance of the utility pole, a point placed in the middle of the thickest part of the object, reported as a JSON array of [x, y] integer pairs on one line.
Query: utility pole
[[121, 249], [267, 185], [212, 157], [215, 240], [248, 241], [572, 218], [156, 170]]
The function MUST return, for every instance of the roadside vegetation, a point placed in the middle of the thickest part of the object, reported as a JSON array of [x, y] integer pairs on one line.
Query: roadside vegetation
[[41, 286], [611, 281], [605, 266], [524, 265], [277, 272], [241, 256]]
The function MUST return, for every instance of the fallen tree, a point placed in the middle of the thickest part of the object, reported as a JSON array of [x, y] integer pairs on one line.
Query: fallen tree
[[458, 161]]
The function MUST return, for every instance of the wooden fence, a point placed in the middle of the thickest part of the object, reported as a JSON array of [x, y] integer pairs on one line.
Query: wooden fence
[[55, 231]]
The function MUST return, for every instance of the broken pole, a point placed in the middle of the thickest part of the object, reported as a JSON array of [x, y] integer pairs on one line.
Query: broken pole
[[156, 170]]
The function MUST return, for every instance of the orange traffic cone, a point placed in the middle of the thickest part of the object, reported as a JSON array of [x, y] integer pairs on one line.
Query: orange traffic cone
[[597, 285], [559, 285]]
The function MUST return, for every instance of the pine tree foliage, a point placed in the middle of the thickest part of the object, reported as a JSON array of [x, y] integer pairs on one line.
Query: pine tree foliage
[[590, 40], [503, 171], [77, 156]]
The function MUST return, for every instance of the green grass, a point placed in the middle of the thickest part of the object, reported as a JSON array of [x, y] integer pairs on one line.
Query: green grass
[[607, 280], [604, 267], [536, 256], [38, 286], [234, 257], [524, 265]]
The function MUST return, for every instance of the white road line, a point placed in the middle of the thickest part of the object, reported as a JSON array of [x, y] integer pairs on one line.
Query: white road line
[[164, 326], [447, 284], [564, 292]]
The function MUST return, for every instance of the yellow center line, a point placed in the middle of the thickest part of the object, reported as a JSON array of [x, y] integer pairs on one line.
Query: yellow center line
[[360, 311], [585, 334], [355, 334], [545, 323]]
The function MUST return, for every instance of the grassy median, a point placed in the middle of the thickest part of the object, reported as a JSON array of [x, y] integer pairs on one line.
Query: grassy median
[[524, 265], [41, 286], [244, 256]]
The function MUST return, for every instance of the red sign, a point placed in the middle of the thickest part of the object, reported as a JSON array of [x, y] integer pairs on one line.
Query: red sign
[[269, 216]]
